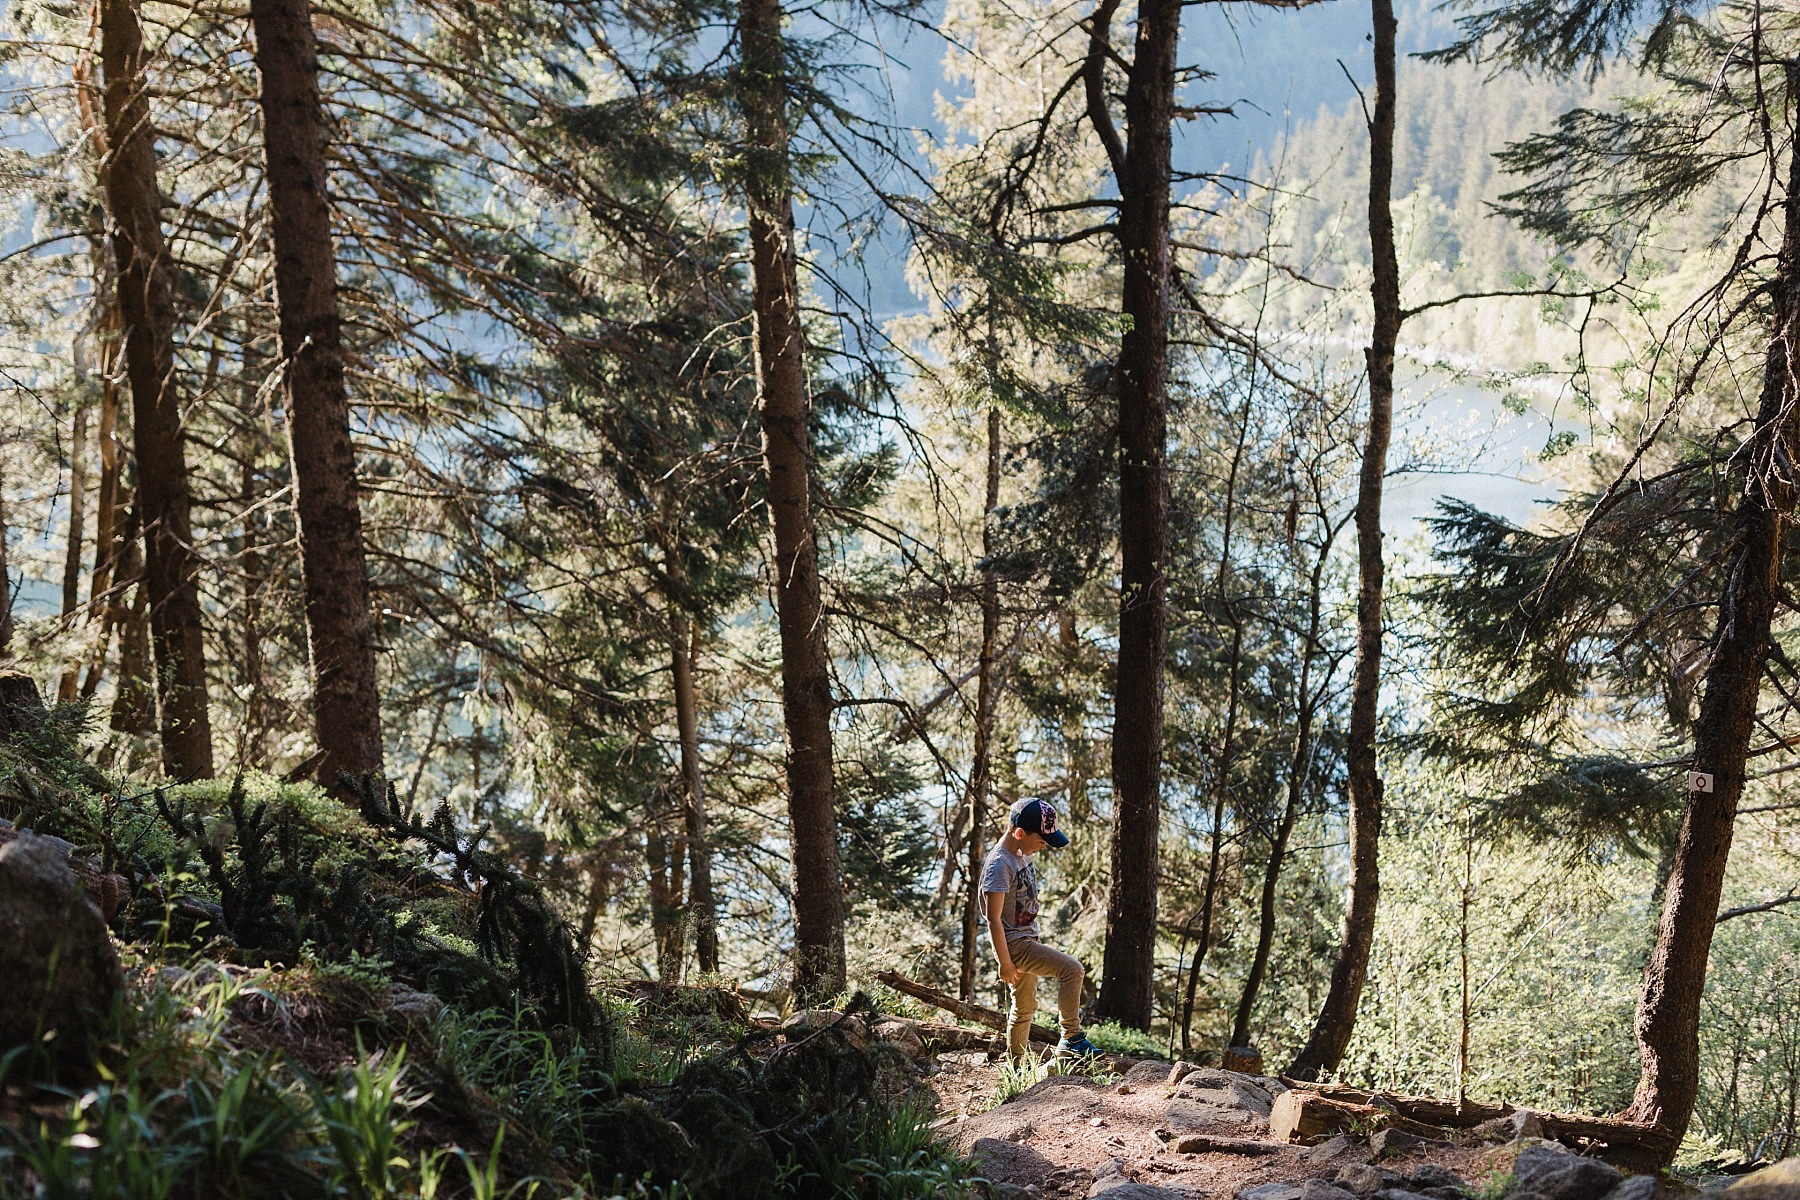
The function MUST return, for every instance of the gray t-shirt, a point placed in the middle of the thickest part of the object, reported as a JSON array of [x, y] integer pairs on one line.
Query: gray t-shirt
[[1014, 875]]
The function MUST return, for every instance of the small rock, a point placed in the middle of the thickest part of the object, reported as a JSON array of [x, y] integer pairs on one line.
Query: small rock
[[1096, 1122], [1120, 1188], [1124, 1089], [55, 947], [1341, 1146], [1522, 1123], [1013, 1191], [1427, 1176], [1366, 1180], [1273, 1191], [1179, 1071], [1557, 1174]]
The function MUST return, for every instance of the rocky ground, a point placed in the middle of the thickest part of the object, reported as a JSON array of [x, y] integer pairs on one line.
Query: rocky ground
[[1149, 1131]]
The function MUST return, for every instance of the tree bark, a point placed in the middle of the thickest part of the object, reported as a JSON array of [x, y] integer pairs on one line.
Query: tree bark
[[147, 308], [1668, 1015], [134, 698], [684, 649], [1228, 737], [787, 459], [109, 522], [71, 581], [665, 854], [339, 632], [1298, 762], [1336, 1021], [981, 769], [1143, 174], [6, 592]]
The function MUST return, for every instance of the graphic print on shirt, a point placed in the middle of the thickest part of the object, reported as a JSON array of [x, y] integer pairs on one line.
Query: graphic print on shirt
[[1025, 897]]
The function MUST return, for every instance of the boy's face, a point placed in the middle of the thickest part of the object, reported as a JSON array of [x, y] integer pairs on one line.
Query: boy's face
[[1027, 842]]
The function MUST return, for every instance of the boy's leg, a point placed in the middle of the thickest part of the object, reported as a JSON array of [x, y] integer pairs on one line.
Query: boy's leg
[[1041, 959], [1024, 1005]]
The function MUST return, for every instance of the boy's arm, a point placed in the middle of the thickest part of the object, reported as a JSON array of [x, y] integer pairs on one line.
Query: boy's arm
[[997, 935]]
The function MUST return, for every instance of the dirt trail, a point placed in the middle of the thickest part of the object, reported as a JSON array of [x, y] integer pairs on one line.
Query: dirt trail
[[1139, 1132]]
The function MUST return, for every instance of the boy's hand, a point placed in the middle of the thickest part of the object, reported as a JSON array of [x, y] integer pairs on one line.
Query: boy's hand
[[1009, 974]]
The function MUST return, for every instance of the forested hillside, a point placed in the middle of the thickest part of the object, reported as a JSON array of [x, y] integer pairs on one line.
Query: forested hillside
[[477, 572]]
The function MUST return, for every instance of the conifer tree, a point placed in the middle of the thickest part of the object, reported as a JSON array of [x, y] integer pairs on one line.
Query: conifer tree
[[163, 499], [818, 897], [340, 635], [1730, 88]]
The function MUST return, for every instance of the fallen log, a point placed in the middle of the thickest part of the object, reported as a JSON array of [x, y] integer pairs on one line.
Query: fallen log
[[939, 1035], [973, 1013], [1307, 1112]]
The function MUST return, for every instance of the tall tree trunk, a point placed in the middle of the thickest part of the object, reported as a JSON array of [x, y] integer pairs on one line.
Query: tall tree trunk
[[787, 459], [1299, 762], [664, 852], [1074, 726], [101, 335], [1142, 169], [109, 508], [1336, 1021], [6, 590], [134, 698], [1216, 851], [684, 650], [339, 633], [147, 307], [1668, 1015], [78, 487], [981, 775], [1222, 762]]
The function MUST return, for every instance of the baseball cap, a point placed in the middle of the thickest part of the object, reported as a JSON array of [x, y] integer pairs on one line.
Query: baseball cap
[[1039, 817]]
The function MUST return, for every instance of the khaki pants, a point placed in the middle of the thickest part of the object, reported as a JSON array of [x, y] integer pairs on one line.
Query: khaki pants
[[1034, 961]]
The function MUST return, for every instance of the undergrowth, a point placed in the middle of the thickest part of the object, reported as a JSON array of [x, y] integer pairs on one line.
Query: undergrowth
[[262, 1048]]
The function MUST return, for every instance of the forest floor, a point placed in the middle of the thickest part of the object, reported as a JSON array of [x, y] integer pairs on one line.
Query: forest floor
[[1118, 1134]]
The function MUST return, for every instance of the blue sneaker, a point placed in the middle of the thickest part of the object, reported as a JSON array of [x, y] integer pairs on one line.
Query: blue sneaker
[[1078, 1048]]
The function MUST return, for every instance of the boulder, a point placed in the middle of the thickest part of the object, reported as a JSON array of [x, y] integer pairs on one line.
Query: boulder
[[903, 1036], [1637, 1187], [1148, 1072], [1556, 1173], [1427, 1176], [55, 947], [414, 1008], [1366, 1180], [1779, 1182], [1319, 1189], [1207, 1097], [811, 1020]]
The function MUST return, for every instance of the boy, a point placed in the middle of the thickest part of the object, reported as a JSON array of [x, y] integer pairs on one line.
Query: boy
[[1009, 887]]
